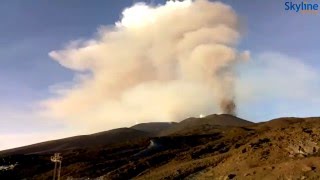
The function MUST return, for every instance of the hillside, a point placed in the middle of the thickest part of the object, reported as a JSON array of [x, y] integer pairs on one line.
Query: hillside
[[194, 125], [84, 141], [154, 127], [284, 148]]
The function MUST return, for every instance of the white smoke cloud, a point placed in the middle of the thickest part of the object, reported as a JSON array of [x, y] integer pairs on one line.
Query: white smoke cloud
[[160, 63]]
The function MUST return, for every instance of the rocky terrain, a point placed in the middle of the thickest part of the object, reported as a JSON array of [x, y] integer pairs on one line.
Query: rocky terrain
[[213, 147]]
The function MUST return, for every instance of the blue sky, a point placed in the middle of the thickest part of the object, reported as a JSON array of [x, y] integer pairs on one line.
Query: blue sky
[[29, 30]]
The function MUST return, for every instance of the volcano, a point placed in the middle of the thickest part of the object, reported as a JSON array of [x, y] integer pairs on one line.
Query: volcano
[[216, 146]]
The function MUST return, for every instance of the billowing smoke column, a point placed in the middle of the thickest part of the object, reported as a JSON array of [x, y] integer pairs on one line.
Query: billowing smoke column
[[228, 106], [161, 63]]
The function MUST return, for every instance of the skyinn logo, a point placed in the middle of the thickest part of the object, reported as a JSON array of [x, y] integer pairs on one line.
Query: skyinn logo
[[302, 7]]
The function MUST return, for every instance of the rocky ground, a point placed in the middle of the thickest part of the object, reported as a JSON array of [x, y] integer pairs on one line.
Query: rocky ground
[[285, 148]]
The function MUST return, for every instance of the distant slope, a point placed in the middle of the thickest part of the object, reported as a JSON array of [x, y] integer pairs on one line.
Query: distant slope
[[154, 127], [218, 119], [283, 148], [194, 124], [144, 130], [83, 141], [287, 121]]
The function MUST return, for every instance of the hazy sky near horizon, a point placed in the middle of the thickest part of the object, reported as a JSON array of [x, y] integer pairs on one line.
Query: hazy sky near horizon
[[284, 64]]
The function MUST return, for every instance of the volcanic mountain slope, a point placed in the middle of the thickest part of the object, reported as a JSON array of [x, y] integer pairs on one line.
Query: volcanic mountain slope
[[285, 148], [84, 141], [194, 125], [154, 127]]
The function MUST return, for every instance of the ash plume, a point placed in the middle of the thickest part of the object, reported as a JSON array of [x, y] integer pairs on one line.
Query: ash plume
[[228, 106], [157, 63]]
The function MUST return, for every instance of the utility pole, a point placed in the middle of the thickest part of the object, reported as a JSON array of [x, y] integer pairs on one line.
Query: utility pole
[[57, 159]]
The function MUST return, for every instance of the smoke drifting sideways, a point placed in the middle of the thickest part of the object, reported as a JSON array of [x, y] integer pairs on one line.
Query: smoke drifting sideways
[[157, 63]]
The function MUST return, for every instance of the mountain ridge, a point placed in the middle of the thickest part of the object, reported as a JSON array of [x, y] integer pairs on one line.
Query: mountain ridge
[[146, 130], [282, 148]]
